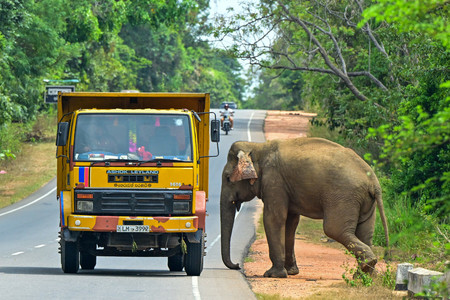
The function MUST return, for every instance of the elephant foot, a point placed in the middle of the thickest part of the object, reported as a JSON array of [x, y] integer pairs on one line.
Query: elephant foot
[[292, 270], [277, 273], [367, 267]]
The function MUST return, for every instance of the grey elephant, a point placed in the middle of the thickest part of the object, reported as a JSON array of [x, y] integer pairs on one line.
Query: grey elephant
[[312, 177]]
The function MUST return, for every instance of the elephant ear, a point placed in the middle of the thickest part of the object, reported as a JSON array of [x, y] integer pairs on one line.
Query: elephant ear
[[244, 169]]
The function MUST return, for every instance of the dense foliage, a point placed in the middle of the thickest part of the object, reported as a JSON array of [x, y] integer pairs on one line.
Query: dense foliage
[[378, 74], [111, 45]]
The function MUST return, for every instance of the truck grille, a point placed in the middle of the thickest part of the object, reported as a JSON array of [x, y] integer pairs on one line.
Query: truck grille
[[133, 202], [126, 203]]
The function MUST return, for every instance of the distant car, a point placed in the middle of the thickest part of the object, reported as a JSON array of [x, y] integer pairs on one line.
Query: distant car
[[231, 105]]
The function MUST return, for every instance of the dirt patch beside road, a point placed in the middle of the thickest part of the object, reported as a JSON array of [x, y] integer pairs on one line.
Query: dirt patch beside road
[[286, 124], [321, 267]]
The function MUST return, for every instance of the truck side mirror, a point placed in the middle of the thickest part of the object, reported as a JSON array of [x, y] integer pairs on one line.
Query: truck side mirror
[[215, 131], [63, 134]]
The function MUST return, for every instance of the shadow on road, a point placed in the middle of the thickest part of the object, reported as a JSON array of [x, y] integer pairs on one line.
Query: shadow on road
[[97, 272]]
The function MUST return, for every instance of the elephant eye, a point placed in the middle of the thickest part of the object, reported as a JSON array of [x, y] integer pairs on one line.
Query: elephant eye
[[228, 178]]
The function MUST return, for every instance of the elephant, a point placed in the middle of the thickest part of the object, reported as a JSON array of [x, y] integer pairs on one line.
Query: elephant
[[311, 177]]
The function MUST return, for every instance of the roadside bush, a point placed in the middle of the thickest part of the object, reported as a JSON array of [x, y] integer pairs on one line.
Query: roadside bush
[[14, 134], [6, 154], [11, 136], [43, 128], [415, 236]]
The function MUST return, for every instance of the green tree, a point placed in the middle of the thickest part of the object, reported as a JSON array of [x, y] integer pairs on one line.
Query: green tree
[[316, 36], [339, 63], [429, 17], [279, 90], [151, 45], [418, 145], [215, 71]]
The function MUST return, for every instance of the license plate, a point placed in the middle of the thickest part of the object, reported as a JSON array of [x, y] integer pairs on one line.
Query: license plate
[[133, 228]]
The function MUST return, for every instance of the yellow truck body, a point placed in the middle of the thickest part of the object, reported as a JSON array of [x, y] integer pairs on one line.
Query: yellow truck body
[[133, 177]]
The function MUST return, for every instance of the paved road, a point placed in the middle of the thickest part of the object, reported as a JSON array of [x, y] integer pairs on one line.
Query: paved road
[[30, 263]]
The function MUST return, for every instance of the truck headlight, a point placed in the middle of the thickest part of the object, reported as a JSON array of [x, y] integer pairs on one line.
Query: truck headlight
[[87, 206], [180, 207]]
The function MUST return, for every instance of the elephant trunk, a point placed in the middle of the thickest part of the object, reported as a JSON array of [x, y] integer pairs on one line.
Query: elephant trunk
[[227, 213]]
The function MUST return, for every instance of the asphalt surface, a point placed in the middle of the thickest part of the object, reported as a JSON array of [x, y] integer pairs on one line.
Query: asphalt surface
[[30, 262]]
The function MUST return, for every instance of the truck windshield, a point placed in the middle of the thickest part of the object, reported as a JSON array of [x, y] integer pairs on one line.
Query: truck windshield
[[132, 137]]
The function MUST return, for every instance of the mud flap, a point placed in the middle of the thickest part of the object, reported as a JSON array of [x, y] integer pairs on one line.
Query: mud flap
[[70, 236], [195, 237]]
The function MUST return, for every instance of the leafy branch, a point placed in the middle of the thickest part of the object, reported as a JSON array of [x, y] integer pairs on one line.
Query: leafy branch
[[283, 35]]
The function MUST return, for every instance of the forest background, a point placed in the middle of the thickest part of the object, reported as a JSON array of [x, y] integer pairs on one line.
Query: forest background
[[376, 72]]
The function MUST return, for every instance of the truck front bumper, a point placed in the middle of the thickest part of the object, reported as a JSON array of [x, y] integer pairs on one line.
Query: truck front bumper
[[110, 223]]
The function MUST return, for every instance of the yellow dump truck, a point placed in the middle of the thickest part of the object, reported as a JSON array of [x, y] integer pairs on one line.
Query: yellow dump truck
[[133, 177]]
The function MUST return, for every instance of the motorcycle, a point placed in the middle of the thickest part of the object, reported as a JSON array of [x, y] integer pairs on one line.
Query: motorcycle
[[226, 126]]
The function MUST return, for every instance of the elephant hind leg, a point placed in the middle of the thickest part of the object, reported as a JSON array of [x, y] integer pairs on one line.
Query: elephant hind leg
[[343, 229], [364, 232]]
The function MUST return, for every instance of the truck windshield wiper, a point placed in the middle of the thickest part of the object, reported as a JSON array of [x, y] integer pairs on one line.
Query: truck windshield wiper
[[121, 159], [108, 160], [160, 160]]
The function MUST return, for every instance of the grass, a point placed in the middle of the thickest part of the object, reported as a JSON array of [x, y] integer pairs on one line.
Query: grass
[[32, 168], [272, 297], [340, 291], [35, 162], [310, 229]]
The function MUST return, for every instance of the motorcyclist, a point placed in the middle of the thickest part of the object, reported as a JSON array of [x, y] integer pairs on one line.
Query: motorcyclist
[[227, 112]]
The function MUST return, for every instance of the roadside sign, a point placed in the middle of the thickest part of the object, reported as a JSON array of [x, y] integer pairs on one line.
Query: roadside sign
[[51, 92]]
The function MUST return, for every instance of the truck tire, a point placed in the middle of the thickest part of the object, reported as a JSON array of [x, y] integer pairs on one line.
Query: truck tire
[[176, 262], [194, 257], [70, 257], [87, 260]]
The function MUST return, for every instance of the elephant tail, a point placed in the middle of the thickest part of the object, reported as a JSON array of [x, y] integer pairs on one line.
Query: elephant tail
[[379, 199]]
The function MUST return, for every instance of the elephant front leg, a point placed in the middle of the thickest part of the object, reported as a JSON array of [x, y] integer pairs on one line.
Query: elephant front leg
[[274, 225], [290, 263]]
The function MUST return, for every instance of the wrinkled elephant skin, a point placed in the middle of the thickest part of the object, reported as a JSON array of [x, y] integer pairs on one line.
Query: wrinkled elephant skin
[[309, 177]]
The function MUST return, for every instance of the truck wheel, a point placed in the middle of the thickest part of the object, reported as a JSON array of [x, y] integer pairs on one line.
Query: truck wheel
[[87, 260], [194, 257], [176, 262], [70, 257]]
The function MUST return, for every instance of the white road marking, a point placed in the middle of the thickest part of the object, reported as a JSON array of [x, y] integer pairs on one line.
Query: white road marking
[[218, 237], [28, 204], [195, 290], [249, 137], [212, 244], [23, 206]]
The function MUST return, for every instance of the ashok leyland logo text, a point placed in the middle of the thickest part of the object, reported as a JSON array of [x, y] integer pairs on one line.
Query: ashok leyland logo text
[[132, 172]]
